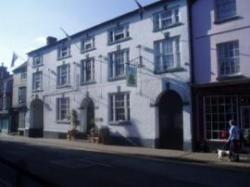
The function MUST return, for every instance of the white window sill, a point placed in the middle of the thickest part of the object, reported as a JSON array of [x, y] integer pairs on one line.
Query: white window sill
[[62, 122], [125, 122], [38, 90], [230, 76]]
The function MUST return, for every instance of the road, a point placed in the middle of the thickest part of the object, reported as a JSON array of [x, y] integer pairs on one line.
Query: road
[[73, 168]]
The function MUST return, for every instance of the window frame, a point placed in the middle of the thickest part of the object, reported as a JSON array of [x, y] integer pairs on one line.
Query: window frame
[[90, 40], [64, 48], [35, 59], [113, 107], [34, 76], [112, 64], [224, 19], [160, 56], [234, 113], [22, 98], [236, 71], [175, 19], [114, 32], [83, 73], [59, 74], [59, 117]]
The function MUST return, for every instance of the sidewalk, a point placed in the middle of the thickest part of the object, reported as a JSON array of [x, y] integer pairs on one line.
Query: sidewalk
[[158, 154]]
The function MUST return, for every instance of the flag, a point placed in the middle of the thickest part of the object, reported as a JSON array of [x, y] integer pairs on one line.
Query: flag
[[14, 58], [131, 76], [66, 34], [141, 10]]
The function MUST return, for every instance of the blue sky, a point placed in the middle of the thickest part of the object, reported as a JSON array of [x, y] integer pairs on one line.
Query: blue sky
[[24, 24]]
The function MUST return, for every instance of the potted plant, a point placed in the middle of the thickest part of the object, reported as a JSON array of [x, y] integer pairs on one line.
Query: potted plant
[[71, 135]]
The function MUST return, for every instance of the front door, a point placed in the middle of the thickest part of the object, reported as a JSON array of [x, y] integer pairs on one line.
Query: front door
[[170, 121]]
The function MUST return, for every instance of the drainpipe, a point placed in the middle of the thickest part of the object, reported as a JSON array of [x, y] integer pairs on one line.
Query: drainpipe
[[192, 75]]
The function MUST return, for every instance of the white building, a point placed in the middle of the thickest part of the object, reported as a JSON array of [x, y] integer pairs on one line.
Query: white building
[[87, 72], [19, 97]]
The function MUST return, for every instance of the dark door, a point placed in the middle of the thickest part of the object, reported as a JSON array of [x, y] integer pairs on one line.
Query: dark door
[[170, 121], [90, 115]]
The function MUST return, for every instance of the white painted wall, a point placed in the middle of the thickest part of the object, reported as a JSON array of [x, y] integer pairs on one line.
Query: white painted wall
[[143, 117]]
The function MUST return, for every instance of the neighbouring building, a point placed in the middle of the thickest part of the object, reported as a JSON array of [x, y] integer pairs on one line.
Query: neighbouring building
[[19, 97], [87, 72], [5, 101], [221, 50]]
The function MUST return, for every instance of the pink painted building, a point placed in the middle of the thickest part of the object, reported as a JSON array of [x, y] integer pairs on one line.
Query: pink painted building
[[221, 68]]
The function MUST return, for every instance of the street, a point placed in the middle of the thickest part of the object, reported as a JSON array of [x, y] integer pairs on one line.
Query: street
[[72, 167]]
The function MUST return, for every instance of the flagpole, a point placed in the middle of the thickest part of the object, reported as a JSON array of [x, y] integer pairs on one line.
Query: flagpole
[[69, 38]]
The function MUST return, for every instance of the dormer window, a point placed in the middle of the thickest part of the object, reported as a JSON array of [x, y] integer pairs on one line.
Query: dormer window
[[119, 33], [63, 51], [166, 19], [88, 44], [37, 61]]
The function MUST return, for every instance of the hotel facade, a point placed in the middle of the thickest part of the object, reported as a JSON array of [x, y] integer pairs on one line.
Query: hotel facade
[[87, 72]]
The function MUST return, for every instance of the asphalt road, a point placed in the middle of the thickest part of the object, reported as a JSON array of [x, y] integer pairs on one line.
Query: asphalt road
[[73, 168]]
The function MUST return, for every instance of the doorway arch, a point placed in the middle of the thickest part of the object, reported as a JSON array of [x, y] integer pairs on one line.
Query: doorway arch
[[170, 120], [87, 113], [36, 118]]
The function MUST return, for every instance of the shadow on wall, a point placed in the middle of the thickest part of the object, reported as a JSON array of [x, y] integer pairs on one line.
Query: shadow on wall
[[202, 42], [133, 136]]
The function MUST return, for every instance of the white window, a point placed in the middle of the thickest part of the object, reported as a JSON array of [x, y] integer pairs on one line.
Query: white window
[[63, 51], [88, 44], [62, 105], [37, 81], [167, 54], [88, 71], [21, 95], [218, 110], [63, 75], [117, 34], [119, 107], [166, 18], [37, 61], [225, 9], [228, 58], [117, 63]]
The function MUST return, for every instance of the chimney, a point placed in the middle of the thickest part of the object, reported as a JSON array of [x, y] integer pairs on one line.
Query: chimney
[[51, 40]]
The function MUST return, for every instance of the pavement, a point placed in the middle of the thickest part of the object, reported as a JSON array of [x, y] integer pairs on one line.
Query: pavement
[[157, 154]]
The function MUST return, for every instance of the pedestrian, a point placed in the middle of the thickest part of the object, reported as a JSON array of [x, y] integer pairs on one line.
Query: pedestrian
[[234, 141]]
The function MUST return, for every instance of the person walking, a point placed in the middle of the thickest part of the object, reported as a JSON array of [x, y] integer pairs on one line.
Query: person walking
[[234, 141]]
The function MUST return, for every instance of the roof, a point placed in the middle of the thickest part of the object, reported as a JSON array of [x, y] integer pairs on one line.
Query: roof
[[131, 13], [22, 67]]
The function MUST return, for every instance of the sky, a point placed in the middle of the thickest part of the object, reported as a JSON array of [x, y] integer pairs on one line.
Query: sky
[[25, 24]]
